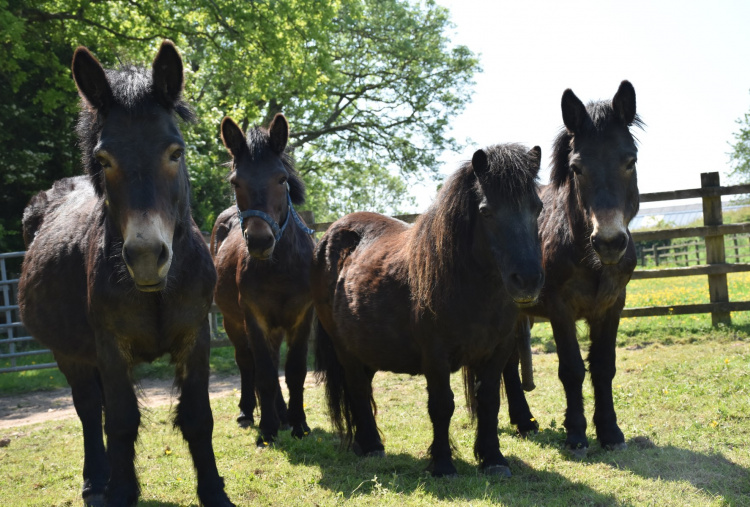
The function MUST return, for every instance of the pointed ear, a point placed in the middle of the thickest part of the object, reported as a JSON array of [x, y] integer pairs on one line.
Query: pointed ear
[[167, 75], [232, 136], [479, 162], [624, 102], [535, 154], [91, 79], [279, 133], [573, 111]]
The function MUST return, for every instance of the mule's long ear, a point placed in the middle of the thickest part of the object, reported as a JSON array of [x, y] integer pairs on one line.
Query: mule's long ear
[[279, 132], [232, 136], [573, 111], [479, 162], [167, 74], [535, 154], [91, 80], [624, 102]]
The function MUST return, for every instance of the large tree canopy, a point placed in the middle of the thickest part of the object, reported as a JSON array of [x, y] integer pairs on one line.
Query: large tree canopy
[[369, 88], [740, 154]]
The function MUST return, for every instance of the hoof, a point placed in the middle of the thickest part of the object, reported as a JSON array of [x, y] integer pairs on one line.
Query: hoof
[[527, 433], [497, 470], [578, 452], [245, 421], [301, 431], [263, 443], [616, 447], [375, 453], [96, 500], [443, 470]]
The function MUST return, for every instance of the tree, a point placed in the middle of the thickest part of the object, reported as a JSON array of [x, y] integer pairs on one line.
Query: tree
[[740, 155], [369, 87]]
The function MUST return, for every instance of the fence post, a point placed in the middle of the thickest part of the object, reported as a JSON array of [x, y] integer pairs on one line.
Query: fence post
[[715, 254]]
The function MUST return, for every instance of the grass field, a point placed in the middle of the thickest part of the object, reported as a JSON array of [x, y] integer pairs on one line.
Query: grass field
[[682, 394]]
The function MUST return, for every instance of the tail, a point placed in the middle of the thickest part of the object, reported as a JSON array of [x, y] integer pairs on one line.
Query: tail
[[329, 369]]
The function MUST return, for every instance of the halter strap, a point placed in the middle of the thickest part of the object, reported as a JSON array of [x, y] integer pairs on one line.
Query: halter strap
[[278, 231]]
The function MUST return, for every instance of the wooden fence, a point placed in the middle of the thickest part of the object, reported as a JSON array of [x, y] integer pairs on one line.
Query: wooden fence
[[712, 251]]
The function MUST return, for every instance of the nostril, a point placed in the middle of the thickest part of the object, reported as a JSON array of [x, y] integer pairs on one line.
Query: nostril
[[126, 255], [163, 255], [516, 279], [623, 241]]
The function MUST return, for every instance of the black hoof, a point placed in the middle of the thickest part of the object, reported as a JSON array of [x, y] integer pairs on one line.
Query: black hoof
[[578, 452], [528, 428], [377, 452], [301, 431], [616, 447], [95, 500], [245, 421], [497, 470], [264, 442], [444, 469]]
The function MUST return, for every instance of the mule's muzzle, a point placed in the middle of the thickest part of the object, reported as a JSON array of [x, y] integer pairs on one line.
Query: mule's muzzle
[[524, 287], [148, 263], [610, 249], [259, 239]]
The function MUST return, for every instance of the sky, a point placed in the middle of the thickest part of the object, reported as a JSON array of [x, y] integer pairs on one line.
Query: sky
[[688, 61]]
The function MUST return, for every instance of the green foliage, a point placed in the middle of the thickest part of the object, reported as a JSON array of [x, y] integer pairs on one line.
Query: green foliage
[[369, 88], [740, 155]]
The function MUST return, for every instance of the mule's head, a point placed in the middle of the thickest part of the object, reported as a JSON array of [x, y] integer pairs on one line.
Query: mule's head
[[598, 154], [264, 182], [133, 151], [507, 212]]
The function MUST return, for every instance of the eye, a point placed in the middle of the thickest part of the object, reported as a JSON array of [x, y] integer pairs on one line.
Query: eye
[[485, 211], [631, 165], [282, 180], [575, 168], [177, 155], [103, 161]]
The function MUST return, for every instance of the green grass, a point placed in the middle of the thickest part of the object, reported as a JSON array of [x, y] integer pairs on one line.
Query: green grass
[[684, 408]]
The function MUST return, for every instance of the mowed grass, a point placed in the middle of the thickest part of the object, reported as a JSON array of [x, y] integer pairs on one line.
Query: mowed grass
[[684, 408]]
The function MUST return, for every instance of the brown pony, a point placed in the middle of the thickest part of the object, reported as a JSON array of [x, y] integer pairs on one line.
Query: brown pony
[[588, 257], [117, 273], [430, 299], [262, 252]]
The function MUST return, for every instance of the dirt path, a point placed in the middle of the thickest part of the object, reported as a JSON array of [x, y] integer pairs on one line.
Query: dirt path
[[25, 409]]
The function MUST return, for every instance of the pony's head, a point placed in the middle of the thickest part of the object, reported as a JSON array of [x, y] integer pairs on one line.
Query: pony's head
[[133, 151]]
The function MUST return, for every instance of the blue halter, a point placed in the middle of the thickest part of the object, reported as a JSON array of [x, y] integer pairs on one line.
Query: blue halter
[[277, 231]]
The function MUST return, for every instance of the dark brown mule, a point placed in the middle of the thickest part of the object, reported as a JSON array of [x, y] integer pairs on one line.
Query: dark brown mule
[[117, 273], [588, 256], [430, 299], [262, 252]]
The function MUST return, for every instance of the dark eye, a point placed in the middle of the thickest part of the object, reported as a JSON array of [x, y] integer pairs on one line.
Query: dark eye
[[103, 161], [631, 165], [485, 211], [575, 168], [176, 155], [282, 180]]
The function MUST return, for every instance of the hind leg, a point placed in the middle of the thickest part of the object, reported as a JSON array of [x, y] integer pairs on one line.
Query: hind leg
[[296, 371], [602, 355], [518, 407], [358, 393], [195, 420], [87, 398], [440, 406], [243, 356]]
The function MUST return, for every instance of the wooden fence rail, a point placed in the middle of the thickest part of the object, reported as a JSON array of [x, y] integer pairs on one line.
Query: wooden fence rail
[[716, 268]]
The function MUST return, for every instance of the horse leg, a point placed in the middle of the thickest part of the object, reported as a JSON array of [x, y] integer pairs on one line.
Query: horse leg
[[275, 339], [266, 383], [358, 393], [295, 372], [87, 398], [440, 406], [121, 421], [487, 393], [602, 355], [243, 356], [195, 420], [518, 407], [571, 371]]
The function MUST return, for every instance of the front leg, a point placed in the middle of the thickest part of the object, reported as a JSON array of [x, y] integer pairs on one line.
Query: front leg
[[440, 406], [602, 356], [195, 420], [121, 419], [487, 393], [571, 371], [266, 382], [518, 407], [296, 371]]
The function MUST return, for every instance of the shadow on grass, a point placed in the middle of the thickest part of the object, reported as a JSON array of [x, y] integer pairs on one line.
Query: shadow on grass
[[710, 472], [349, 476]]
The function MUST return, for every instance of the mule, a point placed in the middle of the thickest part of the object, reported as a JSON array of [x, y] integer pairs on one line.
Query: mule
[[262, 252], [117, 273], [431, 298], [589, 257]]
